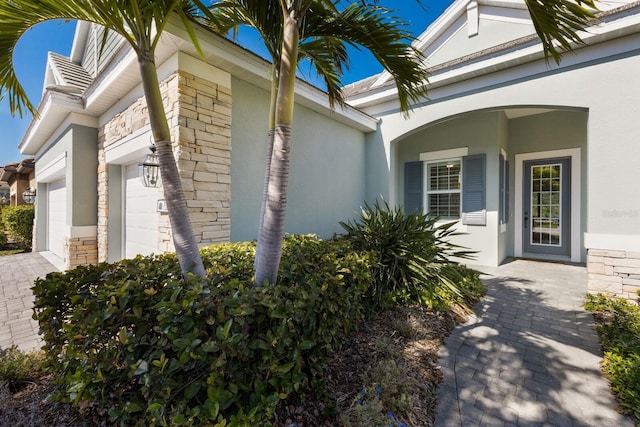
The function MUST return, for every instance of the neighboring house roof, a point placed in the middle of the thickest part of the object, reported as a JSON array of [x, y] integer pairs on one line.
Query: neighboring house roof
[[508, 39], [25, 166]]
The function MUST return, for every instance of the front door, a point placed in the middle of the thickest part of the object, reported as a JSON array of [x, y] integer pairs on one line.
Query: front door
[[547, 207]]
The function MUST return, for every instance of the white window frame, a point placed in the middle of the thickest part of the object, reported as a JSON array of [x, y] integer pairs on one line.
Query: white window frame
[[426, 178], [454, 154]]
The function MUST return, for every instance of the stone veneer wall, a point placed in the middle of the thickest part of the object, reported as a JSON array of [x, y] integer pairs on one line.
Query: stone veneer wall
[[199, 114], [614, 272], [80, 251]]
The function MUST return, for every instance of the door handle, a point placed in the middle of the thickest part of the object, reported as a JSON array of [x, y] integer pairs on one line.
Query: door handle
[[526, 219]]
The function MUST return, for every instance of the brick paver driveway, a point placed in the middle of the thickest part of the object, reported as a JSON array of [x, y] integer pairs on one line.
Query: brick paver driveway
[[17, 273]]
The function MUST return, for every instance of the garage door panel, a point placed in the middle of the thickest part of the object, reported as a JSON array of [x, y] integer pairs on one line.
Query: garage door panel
[[140, 216], [57, 217]]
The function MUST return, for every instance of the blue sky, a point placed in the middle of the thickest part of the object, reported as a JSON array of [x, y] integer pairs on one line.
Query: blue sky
[[30, 59]]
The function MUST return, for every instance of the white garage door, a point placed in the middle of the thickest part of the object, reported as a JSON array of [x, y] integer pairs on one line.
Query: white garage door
[[57, 217], [141, 217]]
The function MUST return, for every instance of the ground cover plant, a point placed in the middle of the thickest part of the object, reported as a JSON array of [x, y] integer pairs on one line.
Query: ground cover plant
[[132, 343], [618, 325], [17, 368]]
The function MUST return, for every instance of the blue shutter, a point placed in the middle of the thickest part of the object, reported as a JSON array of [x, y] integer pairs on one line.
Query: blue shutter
[[413, 191], [506, 191], [474, 208]]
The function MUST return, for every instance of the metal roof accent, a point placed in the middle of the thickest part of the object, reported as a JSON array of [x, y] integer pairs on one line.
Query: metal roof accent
[[71, 78]]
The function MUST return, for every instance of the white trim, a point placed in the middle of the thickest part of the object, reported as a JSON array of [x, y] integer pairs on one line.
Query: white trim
[[575, 155], [79, 231], [53, 259], [444, 154], [473, 19], [53, 171], [440, 156], [615, 242], [129, 149], [201, 69]]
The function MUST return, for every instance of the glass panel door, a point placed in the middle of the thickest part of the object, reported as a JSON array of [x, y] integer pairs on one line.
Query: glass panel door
[[546, 222]]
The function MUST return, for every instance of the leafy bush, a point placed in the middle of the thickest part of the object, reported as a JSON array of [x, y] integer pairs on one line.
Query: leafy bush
[[413, 257], [619, 331], [18, 221], [133, 341], [3, 236], [18, 367]]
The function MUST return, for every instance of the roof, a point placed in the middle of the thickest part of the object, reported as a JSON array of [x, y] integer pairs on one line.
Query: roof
[[456, 18], [25, 166], [71, 94], [69, 76]]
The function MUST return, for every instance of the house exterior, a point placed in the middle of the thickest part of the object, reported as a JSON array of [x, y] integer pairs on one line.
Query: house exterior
[[4, 191], [93, 131], [531, 159], [16, 177]]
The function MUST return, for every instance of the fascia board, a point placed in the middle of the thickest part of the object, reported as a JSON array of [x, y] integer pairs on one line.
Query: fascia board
[[519, 55], [247, 65], [433, 31], [79, 41], [52, 111]]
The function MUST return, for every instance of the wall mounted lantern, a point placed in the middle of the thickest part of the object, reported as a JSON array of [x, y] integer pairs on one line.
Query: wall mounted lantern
[[29, 195], [149, 169]]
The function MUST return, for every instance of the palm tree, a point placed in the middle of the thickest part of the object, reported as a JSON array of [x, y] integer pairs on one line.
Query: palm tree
[[141, 23], [319, 32], [316, 30]]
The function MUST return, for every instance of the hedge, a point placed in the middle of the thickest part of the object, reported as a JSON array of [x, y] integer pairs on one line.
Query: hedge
[[132, 341], [18, 221]]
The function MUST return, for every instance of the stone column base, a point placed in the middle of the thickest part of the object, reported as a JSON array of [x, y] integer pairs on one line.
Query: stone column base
[[614, 272]]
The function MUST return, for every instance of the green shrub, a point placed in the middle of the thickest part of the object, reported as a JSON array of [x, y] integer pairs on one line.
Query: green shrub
[[18, 367], [18, 221], [3, 236], [619, 331], [133, 341], [412, 257]]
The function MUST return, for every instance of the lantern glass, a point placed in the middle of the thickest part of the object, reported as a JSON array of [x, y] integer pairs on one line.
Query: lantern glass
[[29, 196], [149, 170]]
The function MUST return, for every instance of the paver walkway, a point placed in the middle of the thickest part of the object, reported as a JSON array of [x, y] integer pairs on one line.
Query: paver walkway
[[530, 357], [17, 273]]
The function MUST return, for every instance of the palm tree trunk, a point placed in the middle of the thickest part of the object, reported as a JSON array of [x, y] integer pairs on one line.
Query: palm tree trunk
[[269, 248], [267, 161], [183, 238]]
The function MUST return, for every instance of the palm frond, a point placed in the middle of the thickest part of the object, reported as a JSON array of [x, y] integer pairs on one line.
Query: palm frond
[[558, 23], [377, 30]]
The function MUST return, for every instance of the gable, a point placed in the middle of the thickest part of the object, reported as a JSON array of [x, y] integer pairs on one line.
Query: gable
[[477, 30], [472, 28]]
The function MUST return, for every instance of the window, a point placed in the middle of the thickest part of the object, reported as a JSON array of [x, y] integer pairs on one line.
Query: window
[[449, 184], [444, 179]]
